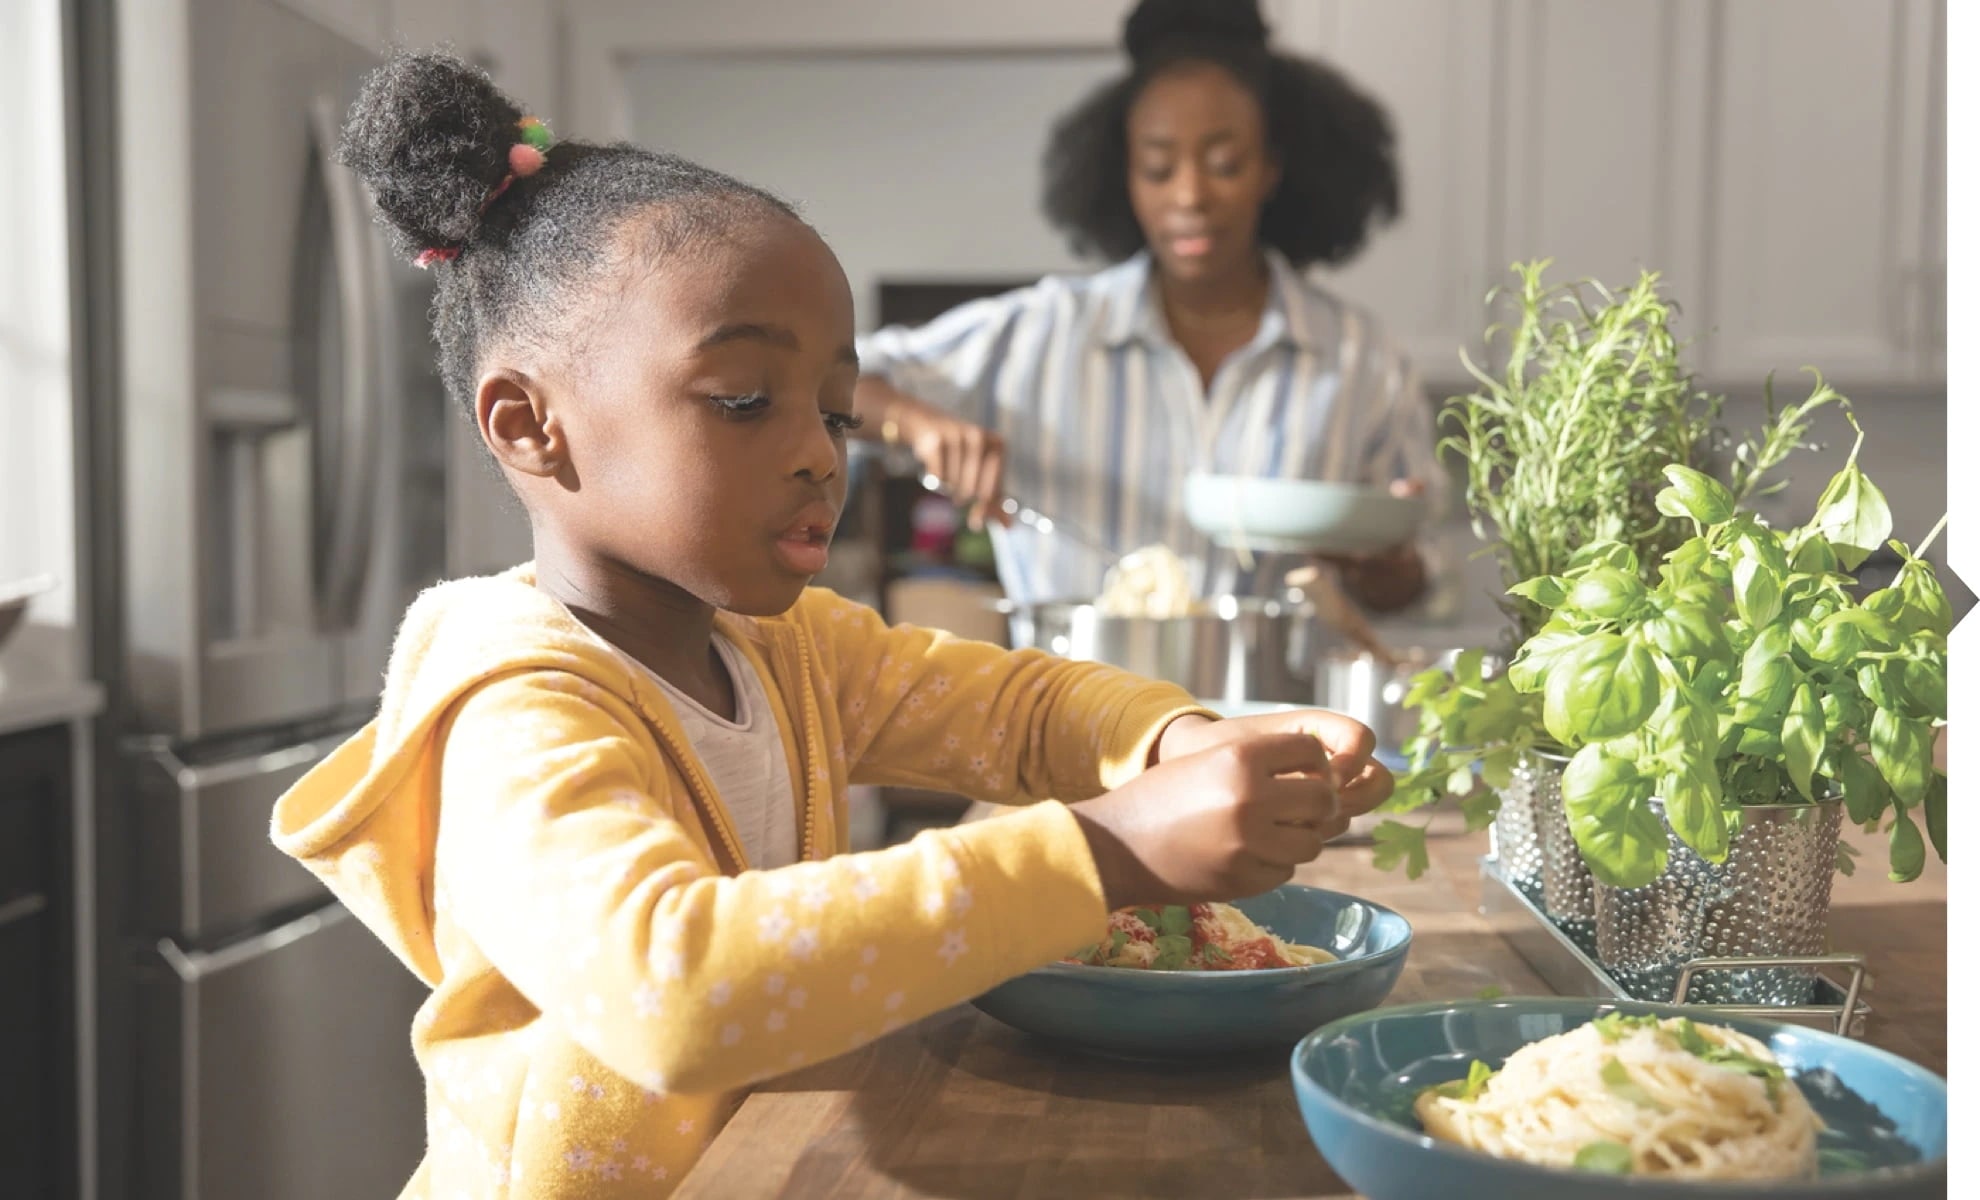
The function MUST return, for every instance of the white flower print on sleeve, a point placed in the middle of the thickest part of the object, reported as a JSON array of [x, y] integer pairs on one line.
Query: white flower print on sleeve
[[775, 1021], [858, 982], [719, 993], [797, 997], [868, 955], [804, 945], [731, 1033], [773, 985], [773, 926], [954, 946]]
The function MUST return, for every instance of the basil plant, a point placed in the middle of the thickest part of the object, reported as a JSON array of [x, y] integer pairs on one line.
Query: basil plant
[[1749, 673]]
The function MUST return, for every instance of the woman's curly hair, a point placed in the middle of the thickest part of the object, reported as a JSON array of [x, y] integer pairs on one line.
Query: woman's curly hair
[[1335, 149], [430, 136]]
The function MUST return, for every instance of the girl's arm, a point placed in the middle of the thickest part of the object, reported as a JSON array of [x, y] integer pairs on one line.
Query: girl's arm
[[570, 867]]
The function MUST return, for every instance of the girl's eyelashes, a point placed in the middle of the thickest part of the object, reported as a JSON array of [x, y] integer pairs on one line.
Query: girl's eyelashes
[[741, 407]]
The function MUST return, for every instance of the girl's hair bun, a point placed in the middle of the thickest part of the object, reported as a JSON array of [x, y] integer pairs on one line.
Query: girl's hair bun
[[430, 136], [1153, 23]]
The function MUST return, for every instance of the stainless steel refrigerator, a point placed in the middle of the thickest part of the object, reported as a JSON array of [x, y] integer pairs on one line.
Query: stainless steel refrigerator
[[284, 451]]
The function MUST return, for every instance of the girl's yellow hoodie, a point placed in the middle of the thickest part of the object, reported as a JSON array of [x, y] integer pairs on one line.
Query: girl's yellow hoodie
[[525, 825]]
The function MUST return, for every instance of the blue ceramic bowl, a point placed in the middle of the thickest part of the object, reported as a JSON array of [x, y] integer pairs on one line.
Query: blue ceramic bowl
[[1356, 1080], [1169, 1015], [1300, 515]]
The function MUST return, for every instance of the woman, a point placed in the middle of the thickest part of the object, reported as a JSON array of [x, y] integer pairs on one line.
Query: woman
[[1210, 175]]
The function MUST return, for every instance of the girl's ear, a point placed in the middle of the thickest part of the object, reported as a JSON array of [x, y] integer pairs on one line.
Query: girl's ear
[[512, 411]]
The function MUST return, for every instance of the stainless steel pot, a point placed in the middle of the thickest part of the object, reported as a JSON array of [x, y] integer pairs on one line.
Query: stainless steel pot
[[1239, 648]]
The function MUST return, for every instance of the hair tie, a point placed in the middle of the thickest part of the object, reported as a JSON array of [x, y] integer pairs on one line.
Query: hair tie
[[526, 158]]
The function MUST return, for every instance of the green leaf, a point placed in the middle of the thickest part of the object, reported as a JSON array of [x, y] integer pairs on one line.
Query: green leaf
[[1175, 920], [1694, 805], [1149, 917], [1496, 768], [1616, 1077], [1605, 1157], [1538, 656], [1397, 844], [1212, 952], [1935, 813], [1925, 603], [1845, 858], [1605, 552], [1766, 678], [1802, 736], [1853, 515], [1924, 688], [1118, 938], [1883, 683], [1696, 495], [1605, 593], [1690, 1040], [1490, 991], [1865, 793], [1687, 631], [1605, 689], [1759, 743], [1815, 557], [1547, 591], [1172, 951], [1479, 809], [1615, 1026], [1907, 848], [1608, 804], [1684, 567], [1757, 592], [1471, 1086], [1903, 750]]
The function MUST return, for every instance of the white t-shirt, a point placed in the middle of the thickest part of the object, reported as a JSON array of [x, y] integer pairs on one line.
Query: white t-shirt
[[744, 758]]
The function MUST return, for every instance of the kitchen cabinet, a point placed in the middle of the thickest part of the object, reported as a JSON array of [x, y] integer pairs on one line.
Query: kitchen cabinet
[[1780, 162], [1423, 59], [37, 1028]]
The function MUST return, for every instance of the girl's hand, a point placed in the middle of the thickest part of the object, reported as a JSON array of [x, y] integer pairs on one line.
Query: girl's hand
[[1360, 782], [1232, 818]]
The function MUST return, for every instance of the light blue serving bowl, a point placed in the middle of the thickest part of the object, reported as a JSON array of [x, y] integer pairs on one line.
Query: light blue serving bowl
[[1357, 1078], [1168, 1015], [1300, 515]]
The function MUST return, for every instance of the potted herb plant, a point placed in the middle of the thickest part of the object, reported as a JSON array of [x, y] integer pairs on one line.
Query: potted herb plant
[[1724, 718], [1564, 449]]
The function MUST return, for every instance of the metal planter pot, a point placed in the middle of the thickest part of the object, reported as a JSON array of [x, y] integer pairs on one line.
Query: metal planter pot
[[1241, 648], [1567, 886], [1517, 831], [1769, 899]]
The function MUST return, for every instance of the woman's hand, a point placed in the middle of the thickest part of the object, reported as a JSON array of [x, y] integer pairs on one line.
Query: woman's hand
[[967, 459], [1386, 580]]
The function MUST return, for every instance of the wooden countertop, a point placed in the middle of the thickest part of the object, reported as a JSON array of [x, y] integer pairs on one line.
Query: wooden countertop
[[961, 1106]]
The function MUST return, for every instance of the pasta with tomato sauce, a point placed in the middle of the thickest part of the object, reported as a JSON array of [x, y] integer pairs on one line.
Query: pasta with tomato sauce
[[1195, 937]]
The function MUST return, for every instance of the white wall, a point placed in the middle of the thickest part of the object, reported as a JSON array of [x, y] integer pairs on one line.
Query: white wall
[[910, 165], [37, 508]]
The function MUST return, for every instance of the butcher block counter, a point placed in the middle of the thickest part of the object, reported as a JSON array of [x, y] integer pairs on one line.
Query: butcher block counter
[[961, 1106]]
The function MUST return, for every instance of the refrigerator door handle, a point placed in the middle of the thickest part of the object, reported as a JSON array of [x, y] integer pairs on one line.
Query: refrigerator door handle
[[211, 775], [346, 553], [191, 966]]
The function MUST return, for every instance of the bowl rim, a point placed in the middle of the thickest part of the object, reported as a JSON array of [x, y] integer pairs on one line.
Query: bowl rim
[[1422, 1142], [1211, 980]]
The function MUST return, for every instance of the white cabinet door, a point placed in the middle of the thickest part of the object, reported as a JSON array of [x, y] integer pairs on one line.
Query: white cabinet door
[[1818, 171], [1601, 144], [1429, 63]]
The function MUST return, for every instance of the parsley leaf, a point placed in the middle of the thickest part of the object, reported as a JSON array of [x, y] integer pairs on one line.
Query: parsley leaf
[[1171, 952], [1470, 1087], [1616, 1026], [1148, 917], [1175, 920], [1617, 1079], [1610, 1158]]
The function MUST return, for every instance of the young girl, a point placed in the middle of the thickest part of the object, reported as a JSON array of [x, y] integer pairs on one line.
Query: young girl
[[601, 810]]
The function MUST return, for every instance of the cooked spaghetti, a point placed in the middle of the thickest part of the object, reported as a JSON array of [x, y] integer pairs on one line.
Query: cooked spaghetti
[[1635, 1095], [1195, 937]]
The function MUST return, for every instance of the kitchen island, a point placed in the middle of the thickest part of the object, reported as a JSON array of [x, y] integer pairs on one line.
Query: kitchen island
[[961, 1106]]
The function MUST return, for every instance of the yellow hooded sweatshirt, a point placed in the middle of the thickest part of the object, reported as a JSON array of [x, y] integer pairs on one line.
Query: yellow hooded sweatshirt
[[525, 825]]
